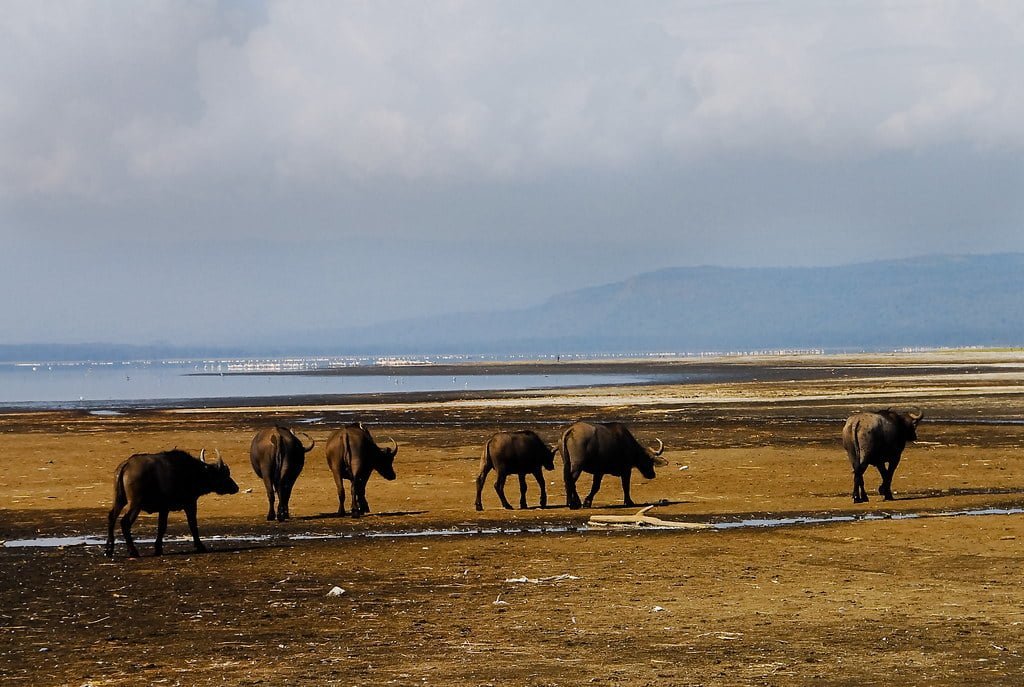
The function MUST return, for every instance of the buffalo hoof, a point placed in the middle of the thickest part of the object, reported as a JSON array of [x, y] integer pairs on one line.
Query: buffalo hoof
[[271, 517], [158, 552], [200, 548], [133, 553], [109, 552], [479, 507]]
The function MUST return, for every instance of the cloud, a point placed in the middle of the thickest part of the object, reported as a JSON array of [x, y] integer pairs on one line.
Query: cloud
[[103, 104]]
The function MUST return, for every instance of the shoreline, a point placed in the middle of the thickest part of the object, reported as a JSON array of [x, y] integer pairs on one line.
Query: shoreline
[[724, 372]]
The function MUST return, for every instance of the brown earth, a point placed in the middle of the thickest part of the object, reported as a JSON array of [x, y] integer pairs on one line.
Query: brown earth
[[933, 600]]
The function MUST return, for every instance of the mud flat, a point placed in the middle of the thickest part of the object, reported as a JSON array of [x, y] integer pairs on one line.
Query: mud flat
[[921, 590]]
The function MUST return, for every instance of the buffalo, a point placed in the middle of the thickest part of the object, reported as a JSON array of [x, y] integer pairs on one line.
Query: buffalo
[[604, 449], [352, 454], [521, 453], [877, 439], [277, 457], [160, 483]]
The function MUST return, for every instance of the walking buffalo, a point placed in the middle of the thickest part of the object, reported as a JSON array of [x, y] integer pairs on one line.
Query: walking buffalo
[[277, 457], [160, 483], [515, 453], [604, 449], [352, 454], [877, 439]]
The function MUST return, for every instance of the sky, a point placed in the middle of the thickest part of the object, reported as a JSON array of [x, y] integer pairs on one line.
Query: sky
[[221, 173]]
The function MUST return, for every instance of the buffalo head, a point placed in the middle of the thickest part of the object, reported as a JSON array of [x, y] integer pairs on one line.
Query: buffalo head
[[549, 462], [386, 463], [650, 459], [910, 421], [219, 475]]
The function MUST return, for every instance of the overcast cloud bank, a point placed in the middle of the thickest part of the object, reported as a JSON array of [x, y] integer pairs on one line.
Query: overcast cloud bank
[[659, 134]]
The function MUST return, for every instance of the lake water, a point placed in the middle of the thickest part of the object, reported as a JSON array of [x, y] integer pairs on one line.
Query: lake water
[[99, 385]]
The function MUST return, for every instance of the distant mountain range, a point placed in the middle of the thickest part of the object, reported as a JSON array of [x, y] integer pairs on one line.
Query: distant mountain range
[[920, 302], [932, 301]]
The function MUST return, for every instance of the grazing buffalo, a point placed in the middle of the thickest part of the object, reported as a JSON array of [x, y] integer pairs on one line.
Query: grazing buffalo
[[352, 454], [160, 483], [277, 456], [604, 449], [515, 453], [877, 439]]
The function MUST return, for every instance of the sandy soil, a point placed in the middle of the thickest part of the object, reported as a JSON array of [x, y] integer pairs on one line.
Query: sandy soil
[[933, 600]]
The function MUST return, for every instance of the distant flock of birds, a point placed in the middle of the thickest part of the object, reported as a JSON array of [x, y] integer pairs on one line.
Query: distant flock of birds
[[174, 480]]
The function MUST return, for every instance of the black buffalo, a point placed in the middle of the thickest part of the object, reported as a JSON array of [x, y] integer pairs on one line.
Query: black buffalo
[[604, 449], [277, 457], [515, 453], [160, 483], [352, 454], [877, 439]]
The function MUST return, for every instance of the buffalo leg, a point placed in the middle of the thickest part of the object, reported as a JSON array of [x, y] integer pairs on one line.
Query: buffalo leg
[[587, 502], [522, 492], [161, 530], [126, 528], [193, 527], [270, 496], [625, 490], [883, 473], [284, 494], [481, 479], [119, 505], [859, 494], [572, 497], [543, 491], [886, 489], [339, 482], [363, 503], [357, 502], [499, 487]]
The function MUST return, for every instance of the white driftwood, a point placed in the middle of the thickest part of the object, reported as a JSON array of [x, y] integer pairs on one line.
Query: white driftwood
[[641, 519]]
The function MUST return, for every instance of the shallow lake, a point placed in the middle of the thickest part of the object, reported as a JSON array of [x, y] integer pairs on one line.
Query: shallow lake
[[100, 385]]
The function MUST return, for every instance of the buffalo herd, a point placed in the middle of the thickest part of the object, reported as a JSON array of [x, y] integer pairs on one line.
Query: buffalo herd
[[174, 480]]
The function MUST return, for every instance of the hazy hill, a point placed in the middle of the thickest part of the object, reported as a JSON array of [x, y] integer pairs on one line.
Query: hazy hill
[[934, 301]]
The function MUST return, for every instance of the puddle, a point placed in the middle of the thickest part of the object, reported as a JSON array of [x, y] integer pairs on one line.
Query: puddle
[[748, 523], [866, 517], [94, 540]]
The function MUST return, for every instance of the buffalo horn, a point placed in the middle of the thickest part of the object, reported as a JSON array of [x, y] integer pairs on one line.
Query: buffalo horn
[[202, 455], [220, 461], [661, 447], [395, 444], [915, 414], [312, 442]]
